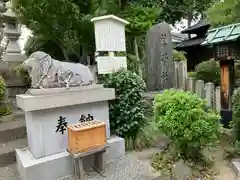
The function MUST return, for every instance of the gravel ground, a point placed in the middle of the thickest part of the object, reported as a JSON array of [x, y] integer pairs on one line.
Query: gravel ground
[[127, 168], [9, 173], [135, 166]]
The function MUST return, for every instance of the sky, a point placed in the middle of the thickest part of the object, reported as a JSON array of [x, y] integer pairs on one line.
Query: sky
[[24, 37]]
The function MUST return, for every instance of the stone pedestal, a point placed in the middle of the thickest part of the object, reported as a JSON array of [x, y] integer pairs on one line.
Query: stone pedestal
[[45, 110], [60, 165], [14, 57], [15, 83]]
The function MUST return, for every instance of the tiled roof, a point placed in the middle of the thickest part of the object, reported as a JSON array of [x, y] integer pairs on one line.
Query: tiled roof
[[191, 42], [177, 37], [223, 34], [201, 23]]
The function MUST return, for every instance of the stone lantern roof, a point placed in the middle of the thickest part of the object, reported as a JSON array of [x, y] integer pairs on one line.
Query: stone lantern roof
[[9, 14]]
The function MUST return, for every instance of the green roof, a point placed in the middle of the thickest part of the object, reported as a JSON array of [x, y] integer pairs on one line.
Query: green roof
[[223, 34]]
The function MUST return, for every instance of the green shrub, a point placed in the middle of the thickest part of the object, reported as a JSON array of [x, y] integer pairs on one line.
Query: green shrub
[[209, 71], [237, 73], [21, 72], [192, 74], [235, 123], [132, 63], [146, 137], [4, 108], [179, 56], [164, 162], [2, 88], [184, 118], [126, 111]]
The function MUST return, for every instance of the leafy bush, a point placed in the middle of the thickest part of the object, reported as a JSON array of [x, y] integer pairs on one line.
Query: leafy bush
[[2, 88], [179, 56], [235, 123], [146, 137], [126, 111], [192, 74], [184, 118], [209, 71], [4, 109], [23, 74], [132, 63], [163, 162], [237, 72]]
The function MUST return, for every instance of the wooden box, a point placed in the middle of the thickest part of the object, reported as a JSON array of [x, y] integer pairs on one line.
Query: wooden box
[[85, 136]]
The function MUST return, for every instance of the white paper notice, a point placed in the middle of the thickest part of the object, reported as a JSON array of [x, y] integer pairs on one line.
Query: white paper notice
[[107, 65]]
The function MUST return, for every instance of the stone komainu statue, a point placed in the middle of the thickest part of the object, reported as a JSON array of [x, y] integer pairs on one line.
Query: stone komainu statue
[[46, 72]]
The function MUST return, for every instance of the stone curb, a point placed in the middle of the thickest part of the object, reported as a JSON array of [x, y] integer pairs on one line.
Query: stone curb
[[235, 163]]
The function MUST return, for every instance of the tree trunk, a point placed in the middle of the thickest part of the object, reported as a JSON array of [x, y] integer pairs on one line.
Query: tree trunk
[[137, 57], [64, 52], [189, 22], [77, 55]]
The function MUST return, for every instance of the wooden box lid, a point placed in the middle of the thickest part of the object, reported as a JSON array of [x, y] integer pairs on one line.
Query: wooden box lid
[[86, 125]]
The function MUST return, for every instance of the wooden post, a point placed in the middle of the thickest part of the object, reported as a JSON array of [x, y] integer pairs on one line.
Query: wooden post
[[227, 85]]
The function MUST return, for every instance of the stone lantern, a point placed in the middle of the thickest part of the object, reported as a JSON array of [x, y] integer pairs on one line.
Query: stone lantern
[[12, 31]]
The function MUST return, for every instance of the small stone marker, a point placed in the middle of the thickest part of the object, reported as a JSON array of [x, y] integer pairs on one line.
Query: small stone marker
[[218, 98], [209, 94], [200, 88], [190, 84], [159, 64], [182, 75]]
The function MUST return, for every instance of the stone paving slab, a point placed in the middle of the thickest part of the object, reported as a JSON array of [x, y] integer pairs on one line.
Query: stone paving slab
[[9, 173], [7, 151], [127, 168], [12, 130]]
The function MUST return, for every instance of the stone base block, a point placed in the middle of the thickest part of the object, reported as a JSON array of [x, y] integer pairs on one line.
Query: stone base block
[[14, 57], [236, 166], [60, 165]]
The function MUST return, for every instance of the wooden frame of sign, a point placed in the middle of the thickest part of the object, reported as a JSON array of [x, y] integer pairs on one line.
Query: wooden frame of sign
[[110, 37]]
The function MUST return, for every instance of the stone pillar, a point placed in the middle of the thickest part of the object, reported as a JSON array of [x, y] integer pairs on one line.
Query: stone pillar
[[218, 98], [199, 89], [209, 94], [182, 74], [191, 84]]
